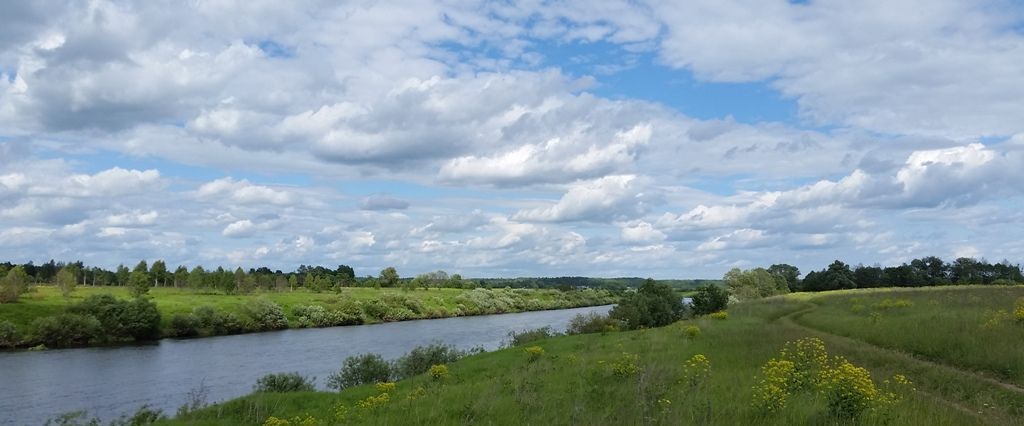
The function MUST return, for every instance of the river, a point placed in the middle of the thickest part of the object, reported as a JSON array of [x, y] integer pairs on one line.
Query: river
[[108, 382]]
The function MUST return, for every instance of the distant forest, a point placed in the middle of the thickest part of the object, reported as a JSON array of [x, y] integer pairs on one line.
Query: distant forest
[[923, 272], [317, 278]]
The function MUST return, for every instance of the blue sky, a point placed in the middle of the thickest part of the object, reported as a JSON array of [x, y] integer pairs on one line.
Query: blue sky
[[624, 138]]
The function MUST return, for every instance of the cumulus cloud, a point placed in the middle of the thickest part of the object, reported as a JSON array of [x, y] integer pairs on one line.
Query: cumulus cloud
[[242, 191], [600, 199]]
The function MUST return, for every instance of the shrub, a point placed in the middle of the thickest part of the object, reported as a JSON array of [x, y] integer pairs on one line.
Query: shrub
[[360, 370], [592, 323], [318, 316], [184, 325], [527, 336], [848, 390], [696, 369], [217, 323], [65, 330], [13, 285], [422, 358], [403, 302], [626, 365], [9, 336], [691, 331], [534, 353], [265, 315], [284, 382], [653, 305], [1018, 311], [384, 387], [136, 319], [439, 372], [709, 299]]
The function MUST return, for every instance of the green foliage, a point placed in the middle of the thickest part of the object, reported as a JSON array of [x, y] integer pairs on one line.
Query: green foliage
[[519, 338], [318, 316], [66, 281], [9, 335], [754, 283], [709, 299], [388, 277], [360, 370], [13, 284], [265, 315], [184, 325], [421, 358], [592, 323], [139, 283], [137, 319], [284, 382], [66, 330], [653, 305]]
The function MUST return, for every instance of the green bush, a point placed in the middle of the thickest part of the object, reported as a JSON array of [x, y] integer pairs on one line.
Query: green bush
[[420, 359], [592, 323], [265, 315], [65, 330], [137, 319], [403, 302], [184, 325], [527, 336], [285, 382], [319, 316], [360, 370], [710, 299], [652, 305], [9, 336], [216, 323]]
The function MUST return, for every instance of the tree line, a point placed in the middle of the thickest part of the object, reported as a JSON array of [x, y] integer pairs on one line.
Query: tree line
[[922, 272]]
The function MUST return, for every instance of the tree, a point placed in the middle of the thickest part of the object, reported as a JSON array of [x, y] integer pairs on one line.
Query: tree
[[180, 276], [652, 305], [66, 281], [159, 273], [789, 273], [388, 277], [197, 278], [709, 299], [13, 284], [755, 283], [122, 275], [138, 282]]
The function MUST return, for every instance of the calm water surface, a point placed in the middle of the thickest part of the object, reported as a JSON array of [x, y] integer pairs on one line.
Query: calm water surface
[[108, 382]]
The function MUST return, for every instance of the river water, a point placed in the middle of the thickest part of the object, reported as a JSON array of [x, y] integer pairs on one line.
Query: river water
[[108, 382]]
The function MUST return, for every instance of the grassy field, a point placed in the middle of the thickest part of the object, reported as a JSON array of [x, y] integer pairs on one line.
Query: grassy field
[[574, 381], [47, 300]]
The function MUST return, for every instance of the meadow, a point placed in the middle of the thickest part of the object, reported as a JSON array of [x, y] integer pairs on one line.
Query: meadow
[[702, 371]]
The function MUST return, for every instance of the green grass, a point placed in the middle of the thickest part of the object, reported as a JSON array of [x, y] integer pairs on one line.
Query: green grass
[[47, 300], [970, 328], [572, 383]]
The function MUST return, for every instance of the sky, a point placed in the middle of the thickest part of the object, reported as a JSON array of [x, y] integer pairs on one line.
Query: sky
[[666, 139]]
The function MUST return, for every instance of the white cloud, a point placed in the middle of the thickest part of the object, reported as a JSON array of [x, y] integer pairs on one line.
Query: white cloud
[[600, 199], [244, 192]]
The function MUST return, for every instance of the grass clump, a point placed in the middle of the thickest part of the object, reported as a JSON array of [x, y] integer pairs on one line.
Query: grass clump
[[285, 382]]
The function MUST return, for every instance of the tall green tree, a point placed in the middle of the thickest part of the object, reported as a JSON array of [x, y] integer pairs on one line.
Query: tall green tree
[[159, 273], [13, 284], [388, 277], [789, 273], [139, 282], [66, 281], [754, 283]]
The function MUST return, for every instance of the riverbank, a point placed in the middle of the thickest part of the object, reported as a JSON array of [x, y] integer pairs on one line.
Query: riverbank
[[186, 313], [709, 370]]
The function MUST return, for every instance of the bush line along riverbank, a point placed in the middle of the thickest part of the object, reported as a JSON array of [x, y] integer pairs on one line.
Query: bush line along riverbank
[[104, 315]]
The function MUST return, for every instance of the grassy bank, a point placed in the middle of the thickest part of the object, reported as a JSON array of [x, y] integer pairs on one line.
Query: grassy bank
[[368, 305], [590, 379]]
